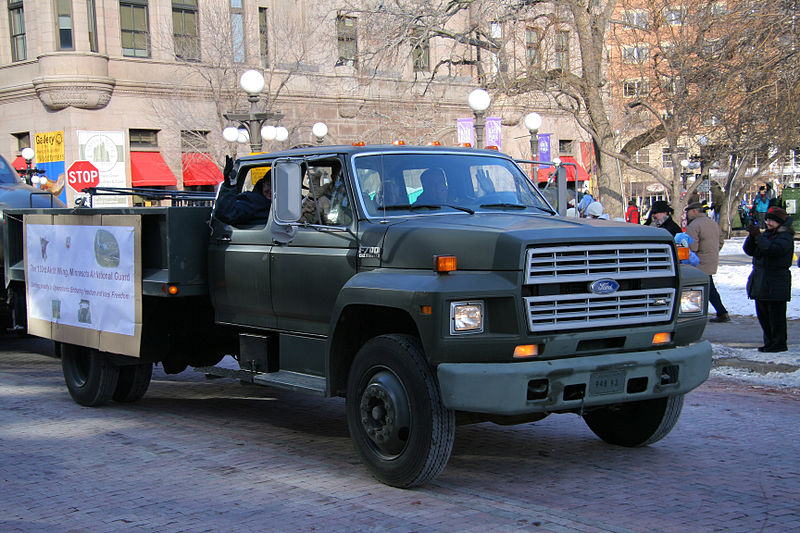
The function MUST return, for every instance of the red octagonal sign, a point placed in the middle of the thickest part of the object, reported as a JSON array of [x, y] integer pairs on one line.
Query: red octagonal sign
[[82, 174]]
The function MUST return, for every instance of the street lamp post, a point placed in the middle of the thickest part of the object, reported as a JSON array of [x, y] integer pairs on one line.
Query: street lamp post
[[319, 130], [251, 123], [479, 101], [533, 121], [29, 174]]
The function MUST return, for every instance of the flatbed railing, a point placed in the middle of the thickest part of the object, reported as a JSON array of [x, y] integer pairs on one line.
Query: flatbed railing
[[177, 198]]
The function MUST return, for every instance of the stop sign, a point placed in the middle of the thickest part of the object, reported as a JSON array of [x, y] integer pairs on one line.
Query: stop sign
[[82, 174]]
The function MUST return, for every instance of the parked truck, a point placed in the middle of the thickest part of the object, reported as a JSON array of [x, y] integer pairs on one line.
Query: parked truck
[[424, 303]]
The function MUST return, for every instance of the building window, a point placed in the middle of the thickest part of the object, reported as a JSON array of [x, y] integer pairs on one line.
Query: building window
[[134, 28], [565, 146], [237, 31], [263, 36], [16, 25], [91, 13], [532, 48], [143, 138], [666, 156], [642, 156], [636, 18], [713, 48], [637, 53], [496, 34], [634, 88], [421, 53], [675, 16], [347, 37], [671, 86], [64, 24], [561, 50], [23, 140], [194, 141], [185, 31]]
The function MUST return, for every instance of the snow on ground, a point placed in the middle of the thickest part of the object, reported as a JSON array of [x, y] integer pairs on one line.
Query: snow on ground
[[731, 282]]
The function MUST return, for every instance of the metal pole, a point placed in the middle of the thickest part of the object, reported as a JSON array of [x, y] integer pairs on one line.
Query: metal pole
[[254, 124], [479, 123]]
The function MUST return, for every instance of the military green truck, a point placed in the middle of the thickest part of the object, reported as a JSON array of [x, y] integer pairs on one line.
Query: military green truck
[[429, 286]]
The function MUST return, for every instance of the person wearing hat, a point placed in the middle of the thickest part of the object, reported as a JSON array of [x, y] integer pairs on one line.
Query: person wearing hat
[[660, 217], [707, 241], [760, 206], [595, 210], [770, 282]]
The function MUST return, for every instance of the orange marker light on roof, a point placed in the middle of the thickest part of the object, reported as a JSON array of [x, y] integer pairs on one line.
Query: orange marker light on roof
[[358, 143], [465, 145], [444, 263], [398, 143], [492, 147], [433, 143]]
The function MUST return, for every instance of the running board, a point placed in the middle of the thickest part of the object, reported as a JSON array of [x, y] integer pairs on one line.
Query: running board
[[282, 379]]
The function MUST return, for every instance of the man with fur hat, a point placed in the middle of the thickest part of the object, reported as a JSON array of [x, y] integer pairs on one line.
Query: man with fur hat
[[770, 282], [707, 242], [660, 217]]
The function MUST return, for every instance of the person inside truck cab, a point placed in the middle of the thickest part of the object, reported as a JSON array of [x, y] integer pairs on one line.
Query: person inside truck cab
[[434, 187], [247, 208]]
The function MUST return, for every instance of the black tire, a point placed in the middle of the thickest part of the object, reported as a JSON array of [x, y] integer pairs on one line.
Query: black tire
[[395, 415], [636, 424], [90, 376], [133, 382]]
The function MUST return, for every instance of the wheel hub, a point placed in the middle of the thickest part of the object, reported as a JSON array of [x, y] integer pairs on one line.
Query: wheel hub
[[384, 413]]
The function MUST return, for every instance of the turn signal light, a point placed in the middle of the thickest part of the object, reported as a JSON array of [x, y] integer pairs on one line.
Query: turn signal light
[[169, 289], [444, 263], [683, 253], [358, 143], [662, 338], [426, 309], [526, 350]]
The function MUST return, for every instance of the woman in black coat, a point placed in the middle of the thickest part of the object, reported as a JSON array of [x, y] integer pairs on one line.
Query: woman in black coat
[[770, 283]]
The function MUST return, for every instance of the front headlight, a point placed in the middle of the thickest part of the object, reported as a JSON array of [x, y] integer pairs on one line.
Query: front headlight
[[466, 317], [691, 301]]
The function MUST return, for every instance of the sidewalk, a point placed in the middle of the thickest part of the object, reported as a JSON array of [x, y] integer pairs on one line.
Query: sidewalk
[[736, 356]]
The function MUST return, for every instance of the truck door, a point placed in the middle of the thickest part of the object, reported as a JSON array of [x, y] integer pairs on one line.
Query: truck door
[[309, 272], [239, 266]]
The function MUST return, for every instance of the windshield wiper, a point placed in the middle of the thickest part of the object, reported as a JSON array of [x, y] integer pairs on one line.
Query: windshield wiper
[[439, 206], [506, 205]]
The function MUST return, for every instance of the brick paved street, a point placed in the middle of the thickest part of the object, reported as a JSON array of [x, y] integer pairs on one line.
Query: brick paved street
[[215, 455]]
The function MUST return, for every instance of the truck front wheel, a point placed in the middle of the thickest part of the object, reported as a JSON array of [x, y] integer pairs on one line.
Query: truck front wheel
[[395, 414], [90, 376], [636, 424]]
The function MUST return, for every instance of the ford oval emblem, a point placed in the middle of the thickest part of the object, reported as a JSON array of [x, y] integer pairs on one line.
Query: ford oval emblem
[[604, 286]]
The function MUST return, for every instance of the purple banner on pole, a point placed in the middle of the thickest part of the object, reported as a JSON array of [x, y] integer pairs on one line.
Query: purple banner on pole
[[494, 133], [544, 147], [466, 133]]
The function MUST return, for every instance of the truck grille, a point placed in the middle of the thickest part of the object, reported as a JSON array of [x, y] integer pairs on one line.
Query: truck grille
[[559, 265], [575, 311]]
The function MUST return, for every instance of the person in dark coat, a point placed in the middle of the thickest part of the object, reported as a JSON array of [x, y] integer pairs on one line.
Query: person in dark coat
[[246, 208], [770, 282], [660, 217]]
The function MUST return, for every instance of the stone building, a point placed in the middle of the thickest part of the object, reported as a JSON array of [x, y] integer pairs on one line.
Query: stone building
[[141, 87]]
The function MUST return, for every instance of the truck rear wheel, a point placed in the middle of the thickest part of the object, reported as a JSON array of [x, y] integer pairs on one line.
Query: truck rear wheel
[[133, 382], [90, 376], [395, 414], [636, 424]]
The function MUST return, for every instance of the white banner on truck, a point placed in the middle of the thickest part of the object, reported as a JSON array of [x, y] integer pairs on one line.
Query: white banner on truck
[[82, 276]]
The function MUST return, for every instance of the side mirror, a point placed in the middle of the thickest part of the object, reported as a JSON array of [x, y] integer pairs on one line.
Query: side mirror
[[286, 199], [286, 196]]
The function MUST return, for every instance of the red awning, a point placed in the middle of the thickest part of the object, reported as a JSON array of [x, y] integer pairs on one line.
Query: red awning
[[19, 163], [199, 169], [544, 172], [149, 169]]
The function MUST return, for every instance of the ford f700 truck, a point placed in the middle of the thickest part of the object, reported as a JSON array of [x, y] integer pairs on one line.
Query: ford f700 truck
[[429, 286]]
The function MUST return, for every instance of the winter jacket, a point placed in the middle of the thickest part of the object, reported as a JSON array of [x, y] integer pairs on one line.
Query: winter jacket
[[668, 224], [632, 215], [772, 253], [707, 242], [761, 204], [247, 208]]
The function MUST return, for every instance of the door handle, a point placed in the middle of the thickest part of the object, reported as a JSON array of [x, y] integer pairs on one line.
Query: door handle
[[224, 238]]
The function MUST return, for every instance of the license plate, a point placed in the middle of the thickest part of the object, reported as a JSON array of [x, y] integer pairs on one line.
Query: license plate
[[606, 382]]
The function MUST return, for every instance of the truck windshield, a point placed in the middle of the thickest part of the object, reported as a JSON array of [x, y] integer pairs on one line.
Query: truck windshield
[[398, 184]]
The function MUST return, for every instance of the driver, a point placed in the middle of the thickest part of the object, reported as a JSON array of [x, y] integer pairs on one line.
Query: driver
[[434, 187]]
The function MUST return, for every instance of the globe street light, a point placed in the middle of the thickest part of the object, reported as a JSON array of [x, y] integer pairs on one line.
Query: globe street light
[[479, 101], [533, 121], [29, 174], [252, 82], [319, 130]]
